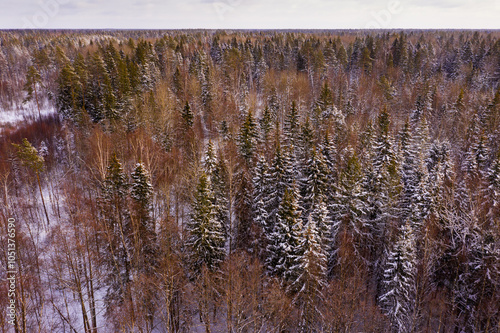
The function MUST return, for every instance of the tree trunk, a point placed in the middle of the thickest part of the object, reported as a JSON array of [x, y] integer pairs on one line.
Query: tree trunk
[[41, 195], [37, 104]]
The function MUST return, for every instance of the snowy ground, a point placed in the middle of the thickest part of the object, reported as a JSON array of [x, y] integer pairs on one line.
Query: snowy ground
[[27, 112]]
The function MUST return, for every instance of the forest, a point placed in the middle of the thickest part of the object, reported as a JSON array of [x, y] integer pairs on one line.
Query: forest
[[250, 181]]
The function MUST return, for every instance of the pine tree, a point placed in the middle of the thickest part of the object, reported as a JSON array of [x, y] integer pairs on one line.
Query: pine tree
[[67, 94], [30, 157], [398, 298], [205, 242], [326, 228], [33, 82], [81, 71]]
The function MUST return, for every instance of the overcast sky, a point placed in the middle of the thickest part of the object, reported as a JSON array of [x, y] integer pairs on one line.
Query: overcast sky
[[249, 14]]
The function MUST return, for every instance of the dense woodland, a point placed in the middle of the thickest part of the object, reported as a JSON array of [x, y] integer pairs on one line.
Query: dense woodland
[[252, 181]]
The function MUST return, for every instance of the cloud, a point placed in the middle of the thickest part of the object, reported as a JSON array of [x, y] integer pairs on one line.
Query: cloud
[[254, 14]]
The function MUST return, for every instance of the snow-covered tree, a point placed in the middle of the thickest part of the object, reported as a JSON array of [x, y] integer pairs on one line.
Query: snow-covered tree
[[283, 242], [118, 231], [315, 185], [415, 197], [205, 241], [306, 142], [265, 124], [348, 204], [494, 189], [210, 162], [259, 212], [291, 125], [310, 281], [380, 188], [476, 158], [101, 98], [399, 289], [67, 94], [248, 137], [280, 178], [244, 227], [141, 192], [327, 231]]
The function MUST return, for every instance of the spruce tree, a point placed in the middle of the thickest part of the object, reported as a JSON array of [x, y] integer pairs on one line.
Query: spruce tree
[[349, 204], [315, 187], [118, 231], [101, 95], [380, 185], [215, 168], [210, 160], [205, 241], [399, 291], [244, 230], [323, 107], [280, 178], [310, 272], [141, 193], [306, 141], [266, 124], [329, 153], [187, 115], [326, 228], [415, 197], [283, 243], [291, 125], [247, 137], [259, 212], [146, 248]]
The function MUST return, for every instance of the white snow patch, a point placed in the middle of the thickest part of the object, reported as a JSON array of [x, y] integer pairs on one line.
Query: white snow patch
[[26, 113]]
